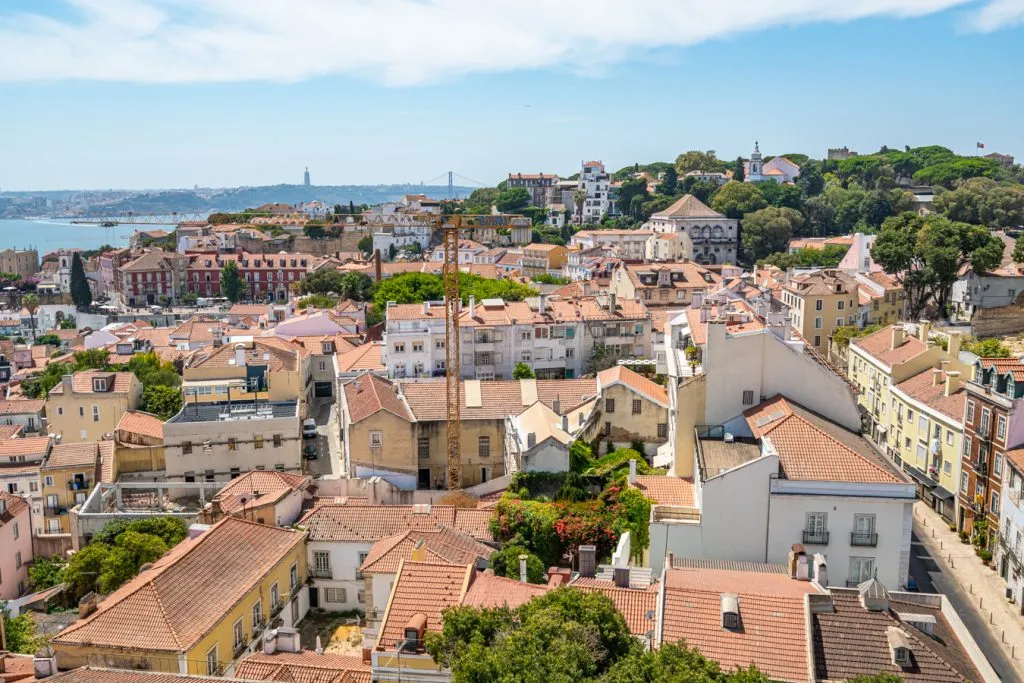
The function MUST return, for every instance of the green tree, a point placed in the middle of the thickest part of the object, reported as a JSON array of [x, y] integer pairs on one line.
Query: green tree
[[31, 304], [92, 359], [143, 548], [735, 199], [601, 358], [81, 295], [632, 194], [83, 569], [634, 513], [48, 339], [692, 356], [44, 572], [948, 173], [170, 530], [580, 456], [117, 568], [811, 182], [698, 161], [40, 385], [322, 301], [505, 562], [768, 231], [163, 401], [232, 285], [68, 323], [674, 662], [355, 286], [738, 170], [19, 631], [481, 200], [988, 348], [1018, 251], [669, 181], [314, 231], [523, 371], [513, 200], [365, 245], [323, 281]]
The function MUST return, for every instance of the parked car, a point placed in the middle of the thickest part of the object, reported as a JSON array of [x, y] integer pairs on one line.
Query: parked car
[[310, 451], [308, 428]]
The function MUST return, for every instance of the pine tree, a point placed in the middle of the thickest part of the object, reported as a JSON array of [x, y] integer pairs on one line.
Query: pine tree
[[81, 295], [231, 283], [737, 172]]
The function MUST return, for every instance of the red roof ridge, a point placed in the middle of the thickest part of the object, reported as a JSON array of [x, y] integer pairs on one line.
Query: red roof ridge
[[835, 441]]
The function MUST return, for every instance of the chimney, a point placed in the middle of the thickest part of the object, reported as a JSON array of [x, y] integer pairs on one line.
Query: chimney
[[543, 303], [426, 308], [797, 562], [240, 355], [897, 336], [611, 303], [632, 472], [952, 383], [65, 381], [953, 345], [923, 330], [620, 575], [820, 570], [565, 424], [472, 305], [87, 605], [588, 561], [522, 569], [419, 551], [936, 377], [376, 265], [531, 439]]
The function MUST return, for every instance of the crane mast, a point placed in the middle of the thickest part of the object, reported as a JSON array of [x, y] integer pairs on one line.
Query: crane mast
[[451, 346]]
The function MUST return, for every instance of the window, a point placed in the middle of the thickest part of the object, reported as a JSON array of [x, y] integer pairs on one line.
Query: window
[[997, 465], [816, 530], [60, 410], [1001, 428], [334, 595], [818, 304], [863, 530], [17, 560], [817, 323], [995, 503], [208, 475], [47, 481], [239, 635], [637, 406], [81, 411], [257, 441], [861, 569], [277, 440], [607, 428], [417, 347], [257, 614], [16, 531], [840, 305], [967, 446], [970, 411], [922, 426], [362, 558], [662, 430], [947, 467], [817, 340], [376, 439], [423, 447], [609, 405], [322, 365], [399, 348], [235, 472], [485, 446], [986, 415], [322, 563], [95, 413], [963, 482], [212, 662], [275, 597], [293, 576], [748, 397], [949, 438], [186, 448]]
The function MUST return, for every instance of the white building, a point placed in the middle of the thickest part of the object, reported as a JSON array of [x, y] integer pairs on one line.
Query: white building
[[596, 183], [401, 237], [1009, 552], [468, 251], [554, 336], [802, 480], [632, 245], [779, 169], [714, 238]]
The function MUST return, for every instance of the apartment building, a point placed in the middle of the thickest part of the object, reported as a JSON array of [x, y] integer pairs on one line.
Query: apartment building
[[543, 259], [16, 540], [21, 262], [661, 284], [24, 412], [468, 251], [204, 605], [68, 474], [88, 405], [714, 238], [669, 247], [821, 302], [539, 185], [631, 408], [596, 183], [264, 369], [267, 276], [155, 277], [926, 434], [882, 300], [589, 264], [20, 459], [992, 425], [632, 245], [1009, 554], [554, 336]]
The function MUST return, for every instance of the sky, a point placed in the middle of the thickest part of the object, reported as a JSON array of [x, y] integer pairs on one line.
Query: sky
[[136, 94]]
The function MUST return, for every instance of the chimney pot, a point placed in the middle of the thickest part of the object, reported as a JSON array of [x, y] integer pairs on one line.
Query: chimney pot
[[936, 377], [923, 330], [522, 568], [632, 472], [620, 575], [588, 561], [952, 383], [897, 336]]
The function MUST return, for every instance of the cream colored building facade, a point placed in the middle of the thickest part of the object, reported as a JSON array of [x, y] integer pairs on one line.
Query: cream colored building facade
[[68, 475], [819, 303], [88, 405]]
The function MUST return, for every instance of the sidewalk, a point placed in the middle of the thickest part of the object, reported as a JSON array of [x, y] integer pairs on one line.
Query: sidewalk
[[982, 587]]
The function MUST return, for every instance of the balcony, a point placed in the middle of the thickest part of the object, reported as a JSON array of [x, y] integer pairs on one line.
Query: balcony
[[322, 573], [815, 538], [55, 510], [78, 484], [980, 466], [864, 540]]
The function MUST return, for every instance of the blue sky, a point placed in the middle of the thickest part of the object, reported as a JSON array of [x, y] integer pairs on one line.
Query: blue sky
[[162, 93]]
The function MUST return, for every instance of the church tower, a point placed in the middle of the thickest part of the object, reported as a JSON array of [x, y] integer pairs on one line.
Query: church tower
[[755, 168]]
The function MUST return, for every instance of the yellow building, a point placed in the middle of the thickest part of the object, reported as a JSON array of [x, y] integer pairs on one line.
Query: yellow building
[[199, 607], [819, 302], [139, 442], [539, 259], [883, 301], [263, 369], [68, 474], [889, 357], [926, 434], [88, 405], [630, 408]]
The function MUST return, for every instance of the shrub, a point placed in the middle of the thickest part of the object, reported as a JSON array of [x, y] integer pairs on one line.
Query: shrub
[[985, 555], [505, 562]]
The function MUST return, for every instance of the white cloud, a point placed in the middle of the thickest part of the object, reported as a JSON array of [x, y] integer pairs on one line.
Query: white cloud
[[998, 14], [398, 42]]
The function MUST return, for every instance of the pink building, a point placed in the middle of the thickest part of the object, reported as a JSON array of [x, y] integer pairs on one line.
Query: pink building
[[16, 541]]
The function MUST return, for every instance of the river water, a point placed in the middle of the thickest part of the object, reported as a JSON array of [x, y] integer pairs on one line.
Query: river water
[[49, 235]]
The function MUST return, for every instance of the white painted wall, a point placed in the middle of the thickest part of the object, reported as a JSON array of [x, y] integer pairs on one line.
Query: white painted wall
[[549, 456], [344, 569]]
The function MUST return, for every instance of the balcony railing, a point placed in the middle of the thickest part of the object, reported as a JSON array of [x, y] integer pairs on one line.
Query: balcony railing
[[980, 466], [54, 511], [322, 573], [815, 537], [78, 485], [863, 539]]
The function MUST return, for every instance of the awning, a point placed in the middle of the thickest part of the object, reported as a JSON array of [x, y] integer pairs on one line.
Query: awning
[[919, 476], [941, 493]]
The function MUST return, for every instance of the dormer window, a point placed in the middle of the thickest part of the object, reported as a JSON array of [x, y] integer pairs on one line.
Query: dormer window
[[328, 347], [99, 383], [901, 657]]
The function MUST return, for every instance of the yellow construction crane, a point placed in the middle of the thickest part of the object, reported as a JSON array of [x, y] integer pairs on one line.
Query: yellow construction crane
[[450, 226]]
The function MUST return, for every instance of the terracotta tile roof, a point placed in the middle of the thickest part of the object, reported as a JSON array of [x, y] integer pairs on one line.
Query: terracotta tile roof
[[922, 387], [852, 641], [489, 591], [821, 283], [688, 207], [107, 462], [773, 634], [667, 490], [694, 276], [29, 446], [9, 431], [281, 357], [476, 523], [1005, 366], [15, 506], [257, 487], [152, 261], [731, 565], [368, 394], [498, 399], [198, 328], [442, 545], [370, 523], [248, 309], [812, 449], [633, 603], [64, 455], [81, 383], [87, 674], [138, 422], [620, 374], [422, 588], [363, 357], [303, 667], [878, 345], [173, 605]]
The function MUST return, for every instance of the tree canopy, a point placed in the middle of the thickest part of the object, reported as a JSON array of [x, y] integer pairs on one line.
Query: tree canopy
[[355, 286], [735, 199], [232, 285], [769, 230], [81, 295]]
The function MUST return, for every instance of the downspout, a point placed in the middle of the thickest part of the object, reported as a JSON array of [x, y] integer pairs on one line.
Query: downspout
[[768, 523]]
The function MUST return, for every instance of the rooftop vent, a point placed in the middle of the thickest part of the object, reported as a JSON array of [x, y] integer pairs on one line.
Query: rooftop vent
[[922, 622], [730, 611]]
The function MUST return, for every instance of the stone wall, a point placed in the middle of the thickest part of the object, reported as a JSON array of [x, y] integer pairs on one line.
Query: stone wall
[[347, 241], [999, 321]]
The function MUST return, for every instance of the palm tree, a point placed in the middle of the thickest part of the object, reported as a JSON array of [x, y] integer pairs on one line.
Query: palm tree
[[579, 196], [31, 304]]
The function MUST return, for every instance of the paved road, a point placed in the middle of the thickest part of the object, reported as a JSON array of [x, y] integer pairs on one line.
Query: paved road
[[932, 577], [325, 464]]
